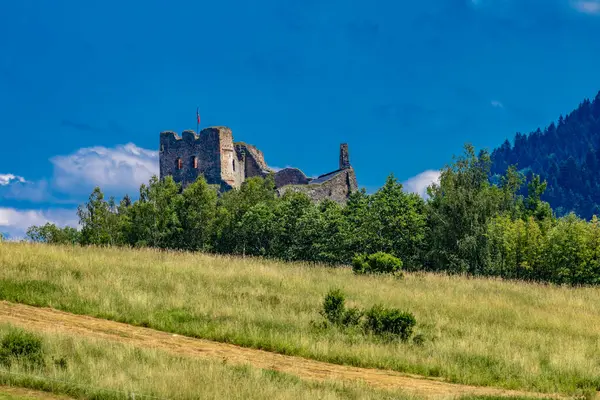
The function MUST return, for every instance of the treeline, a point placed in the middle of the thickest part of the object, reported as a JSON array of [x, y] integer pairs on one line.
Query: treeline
[[467, 226], [566, 155]]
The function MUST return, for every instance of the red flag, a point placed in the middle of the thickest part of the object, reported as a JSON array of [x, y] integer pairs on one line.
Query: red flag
[[197, 116]]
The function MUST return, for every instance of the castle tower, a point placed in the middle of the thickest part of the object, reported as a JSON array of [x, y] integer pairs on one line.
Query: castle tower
[[210, 154], [344, 156], [228, 157]]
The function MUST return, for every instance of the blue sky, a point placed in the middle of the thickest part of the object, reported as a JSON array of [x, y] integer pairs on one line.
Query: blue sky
[[86, 87]]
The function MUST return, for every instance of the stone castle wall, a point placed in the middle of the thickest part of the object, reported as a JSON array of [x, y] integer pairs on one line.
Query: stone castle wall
[[213, 154], [175, 150], [254, 160], [337, 187], [290, 176]]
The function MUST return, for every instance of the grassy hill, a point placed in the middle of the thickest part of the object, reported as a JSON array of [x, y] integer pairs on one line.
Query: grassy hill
[[477, 331], [101, 369]]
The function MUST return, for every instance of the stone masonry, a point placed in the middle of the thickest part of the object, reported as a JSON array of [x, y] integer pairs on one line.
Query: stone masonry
[[213, 154]]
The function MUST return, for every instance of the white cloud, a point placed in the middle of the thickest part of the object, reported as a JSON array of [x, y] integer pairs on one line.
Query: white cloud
[[419, 183], [587, 6], [15, 222], [24, 190], [497, 104], [122, 168], [118, 170], [7, 179]]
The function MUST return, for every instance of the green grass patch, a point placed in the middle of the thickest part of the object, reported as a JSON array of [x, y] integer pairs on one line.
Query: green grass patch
[[483, 332], [99, 369]]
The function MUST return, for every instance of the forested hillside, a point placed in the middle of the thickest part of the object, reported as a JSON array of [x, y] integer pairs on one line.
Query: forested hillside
[[566, 154]]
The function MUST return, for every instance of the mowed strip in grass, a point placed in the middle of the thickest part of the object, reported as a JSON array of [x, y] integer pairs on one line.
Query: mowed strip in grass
[[102, 369], [18, 393], [477, 331]]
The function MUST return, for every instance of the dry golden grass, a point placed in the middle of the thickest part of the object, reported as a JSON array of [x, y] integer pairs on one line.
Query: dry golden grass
[[478, 331], [17, 393], [43, 319], [102, 369]]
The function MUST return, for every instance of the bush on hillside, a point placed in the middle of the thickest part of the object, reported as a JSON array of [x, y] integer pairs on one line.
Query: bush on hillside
[[378, 263], [389, 322], [352, 317], [334, 310], [334, 306], [23, 347], [52, 234]]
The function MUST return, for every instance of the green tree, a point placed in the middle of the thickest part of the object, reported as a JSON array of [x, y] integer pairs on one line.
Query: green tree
[[232, 207], [289, 211], [153, 218], [257, 230], [389, 221], [197, 212], [332, 244], [98, 220], [51, 234], [510, 184], [320, 234], [594, 245], [535, 207], [533, 249], [568, 256], [459, 209]]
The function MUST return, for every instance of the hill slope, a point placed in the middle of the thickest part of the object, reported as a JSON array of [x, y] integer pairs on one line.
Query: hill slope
[[566, 155], [44, 319], [480, 332]]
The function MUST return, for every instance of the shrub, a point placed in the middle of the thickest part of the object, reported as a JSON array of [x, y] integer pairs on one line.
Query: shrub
[[389, 322], [334, 306], [60, 363], [352, 317], [334, 310], [360, 265], [378, 263], [22, 346]]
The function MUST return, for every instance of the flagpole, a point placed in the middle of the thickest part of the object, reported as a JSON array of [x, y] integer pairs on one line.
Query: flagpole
[[197, 122]]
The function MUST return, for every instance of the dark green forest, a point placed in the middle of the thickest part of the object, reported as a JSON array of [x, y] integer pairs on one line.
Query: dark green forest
[[468, 225], [566, 155]]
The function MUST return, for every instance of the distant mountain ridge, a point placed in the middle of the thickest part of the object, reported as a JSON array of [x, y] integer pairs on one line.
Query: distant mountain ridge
[[566, 154]]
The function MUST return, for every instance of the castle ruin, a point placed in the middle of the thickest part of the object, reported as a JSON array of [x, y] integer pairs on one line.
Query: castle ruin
[[213, 154]]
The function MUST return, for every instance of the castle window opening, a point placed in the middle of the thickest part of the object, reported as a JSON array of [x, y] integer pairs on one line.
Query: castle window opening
[[179, 163], [234, 165], [195, 162]]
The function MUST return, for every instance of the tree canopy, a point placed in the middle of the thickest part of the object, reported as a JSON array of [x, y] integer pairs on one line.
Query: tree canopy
[[469, 225]]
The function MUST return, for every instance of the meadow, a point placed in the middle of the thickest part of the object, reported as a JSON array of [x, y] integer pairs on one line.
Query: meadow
[[101, 369], [476, 331]]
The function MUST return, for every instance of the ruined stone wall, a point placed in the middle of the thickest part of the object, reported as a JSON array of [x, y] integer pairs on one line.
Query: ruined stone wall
[[204, 147], [240, 165], [228, 158], [212, 149], [337, 188], [255, 164], [213, 154], [344, 156], [290, 176]]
